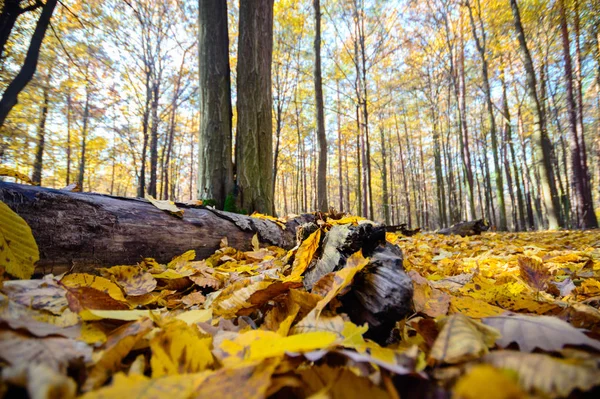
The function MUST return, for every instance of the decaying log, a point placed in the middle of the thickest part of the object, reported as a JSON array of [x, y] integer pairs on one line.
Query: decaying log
[[84, 231], [381, 293], [464, 229]]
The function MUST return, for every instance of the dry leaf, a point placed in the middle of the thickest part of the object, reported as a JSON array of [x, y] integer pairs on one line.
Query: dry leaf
[[179, 348], [41, 381], [18, 249], [427, 299], [534, 272], [77, 280], [484, 381], [461, 339], [9, 172], [542, 374], [304, 255], [547, 333], [45, 294], [57, 353], [132, 279], [165, 205]]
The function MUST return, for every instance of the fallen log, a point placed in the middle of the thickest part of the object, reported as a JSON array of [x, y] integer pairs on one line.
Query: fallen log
[[84, 231], [463, 229]]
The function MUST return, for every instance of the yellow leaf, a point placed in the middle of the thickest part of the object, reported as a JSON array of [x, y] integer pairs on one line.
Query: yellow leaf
[[315, 322], [180, 262], [346, 220], [118, 345], [165, 205], [195, 316], [304, 255], [236, 297], [179, 348], [427, 299], [18, 249], [136, 386], [472, 307], [338, 382], [255, 243], [343, 278], [133, 279], [261, 344], [278, 222], [353, 334], [125, 315], [461, 339], [9, 172], [77, 280], [484, 381], [92, 334]]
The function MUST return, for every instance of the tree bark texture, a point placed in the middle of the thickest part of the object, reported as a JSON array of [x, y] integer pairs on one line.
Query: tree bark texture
[[215, 172], [321, 137], [254, 149], [84, 231]]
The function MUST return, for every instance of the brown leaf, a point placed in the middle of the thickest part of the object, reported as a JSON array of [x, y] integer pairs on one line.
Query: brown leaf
[[195, 298], [534, 272], [427, 299], [55, 352], [81, 298], [45, 294], [133, 279]]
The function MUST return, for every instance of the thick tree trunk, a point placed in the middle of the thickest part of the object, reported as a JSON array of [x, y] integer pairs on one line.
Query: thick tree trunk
[[9, 98], [254, 149], [82, 231], [215, 173]]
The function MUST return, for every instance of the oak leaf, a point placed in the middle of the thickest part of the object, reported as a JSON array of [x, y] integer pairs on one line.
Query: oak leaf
[[541, 374], [545, 332]]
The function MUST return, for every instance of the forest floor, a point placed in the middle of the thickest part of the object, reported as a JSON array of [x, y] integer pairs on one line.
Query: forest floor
[[500, 315]]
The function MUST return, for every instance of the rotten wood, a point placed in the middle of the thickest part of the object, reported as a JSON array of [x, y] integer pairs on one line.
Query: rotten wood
[[85, 231]]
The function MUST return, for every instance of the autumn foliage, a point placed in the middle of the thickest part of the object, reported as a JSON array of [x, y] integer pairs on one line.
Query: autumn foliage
[[496, 315]]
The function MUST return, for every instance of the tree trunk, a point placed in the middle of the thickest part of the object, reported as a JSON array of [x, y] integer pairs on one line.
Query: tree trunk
[[322, 203], [82, 231], [38, 164], [480, 43], [384, 177], [339, 149], [9, 98], [152, 185], [215, 171], [84, 131], [580, 178], [11, 10], [540, 135], [141, 189], [254, 152]]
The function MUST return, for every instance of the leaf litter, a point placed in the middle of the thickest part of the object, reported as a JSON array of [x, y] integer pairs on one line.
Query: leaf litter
[[516, 313]]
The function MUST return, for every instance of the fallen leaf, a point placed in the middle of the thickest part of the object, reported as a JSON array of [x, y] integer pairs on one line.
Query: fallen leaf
[[534, 272], [165, 205], [77, 280], [118, 345], [41, 381], [542, 374], [18, 249], [461, 339], [255, 243], [565, 287], [472, 307], [179, 348], [195, 298], [57, 353], [485, 381], [236, 297], [86, 298], [306, 251], [343, 278], [45, 294], [529, 332], [245, 381], [338, 382], [427, 299], [141, 387], [132, 279], [10, 172]]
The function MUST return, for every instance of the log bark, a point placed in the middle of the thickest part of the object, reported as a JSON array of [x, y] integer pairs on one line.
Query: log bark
[[84, 231], [463, 229]]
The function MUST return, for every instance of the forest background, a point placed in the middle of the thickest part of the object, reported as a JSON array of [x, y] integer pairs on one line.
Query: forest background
[[435, 111]]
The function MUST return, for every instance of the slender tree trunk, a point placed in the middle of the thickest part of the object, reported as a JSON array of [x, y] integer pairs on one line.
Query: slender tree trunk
[[322, 203], [145, 124], [359, 209], [254, 152], [339, 145], [38, 164], [403, 169], [480, 43], [9, 98], [543, 145], [69, 108], [384, 177], [152, 185], [84, 132]]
